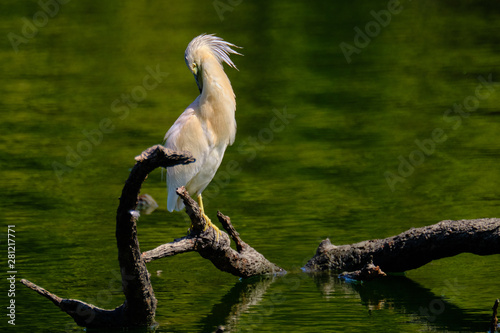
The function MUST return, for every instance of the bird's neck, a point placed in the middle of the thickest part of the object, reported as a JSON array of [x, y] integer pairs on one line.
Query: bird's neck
[[217, 102]]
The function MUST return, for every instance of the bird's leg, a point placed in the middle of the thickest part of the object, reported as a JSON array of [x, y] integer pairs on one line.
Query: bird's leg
[[209, 223]]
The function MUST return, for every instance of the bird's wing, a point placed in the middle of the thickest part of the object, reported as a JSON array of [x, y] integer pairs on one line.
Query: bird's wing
[[186, 134]]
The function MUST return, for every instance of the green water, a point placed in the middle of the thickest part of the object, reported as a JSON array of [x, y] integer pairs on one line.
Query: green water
[[323, 172]]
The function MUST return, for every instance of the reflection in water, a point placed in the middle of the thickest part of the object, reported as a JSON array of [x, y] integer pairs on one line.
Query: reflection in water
[[321, 176], [408, 297], [244, 294], [418, 304]]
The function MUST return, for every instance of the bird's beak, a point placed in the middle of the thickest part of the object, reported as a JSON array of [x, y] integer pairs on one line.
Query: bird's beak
[[197, 75], [199, 81]]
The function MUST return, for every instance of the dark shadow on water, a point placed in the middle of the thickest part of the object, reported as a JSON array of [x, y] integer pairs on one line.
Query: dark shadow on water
[[406, 296], [244, 294], [399, 293]]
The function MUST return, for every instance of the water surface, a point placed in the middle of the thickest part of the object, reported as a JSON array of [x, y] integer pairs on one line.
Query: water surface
[[74, 116]]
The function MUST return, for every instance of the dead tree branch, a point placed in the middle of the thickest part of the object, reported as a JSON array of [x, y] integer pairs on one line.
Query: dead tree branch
[[494, 319], [244, 262], [84, 314], [139, 308], [411, 249], [367, 273]]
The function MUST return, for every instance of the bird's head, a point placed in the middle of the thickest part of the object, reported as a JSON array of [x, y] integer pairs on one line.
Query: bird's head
[[204, 47]]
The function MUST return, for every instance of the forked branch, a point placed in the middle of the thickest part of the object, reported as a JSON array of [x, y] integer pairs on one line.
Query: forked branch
[[243, 262]]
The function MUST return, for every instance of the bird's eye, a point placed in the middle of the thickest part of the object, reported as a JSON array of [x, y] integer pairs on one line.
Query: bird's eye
[[194, 68]]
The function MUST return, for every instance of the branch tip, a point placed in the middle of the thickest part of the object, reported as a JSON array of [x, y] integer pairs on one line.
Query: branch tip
[[235, 236]]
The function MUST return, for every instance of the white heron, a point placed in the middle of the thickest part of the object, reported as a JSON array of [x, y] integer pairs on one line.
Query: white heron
[[208, 125]]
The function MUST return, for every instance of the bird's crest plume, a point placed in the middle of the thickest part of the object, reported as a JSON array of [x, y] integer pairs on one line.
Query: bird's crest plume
[[219, 48]]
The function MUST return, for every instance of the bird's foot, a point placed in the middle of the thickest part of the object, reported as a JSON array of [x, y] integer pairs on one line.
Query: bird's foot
[[210, 224]]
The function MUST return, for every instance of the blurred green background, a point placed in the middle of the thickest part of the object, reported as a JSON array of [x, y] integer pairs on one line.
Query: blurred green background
[[346, 164]]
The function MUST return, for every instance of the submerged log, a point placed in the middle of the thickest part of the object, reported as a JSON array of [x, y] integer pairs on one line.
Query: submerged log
[[411, 249], [367, 273]]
